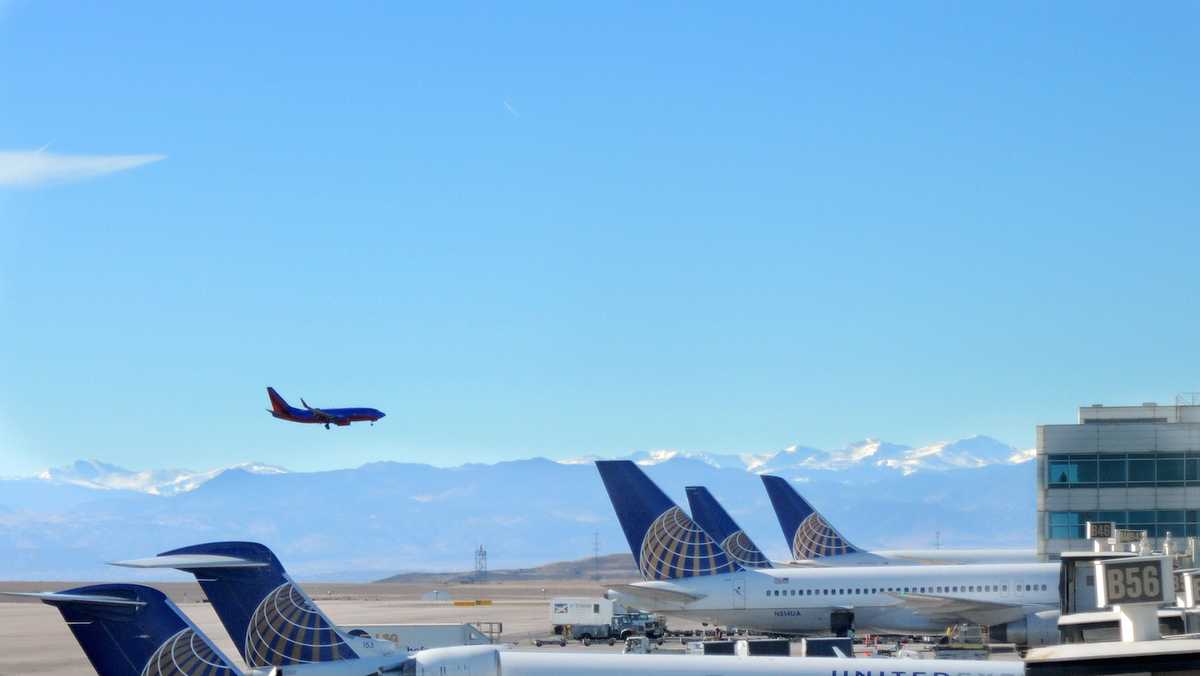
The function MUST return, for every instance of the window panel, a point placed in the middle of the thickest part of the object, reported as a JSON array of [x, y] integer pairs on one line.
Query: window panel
[[1062, 474], [1141, 470], [1141, 519], [1112, 471], [1170, 470], [1085, 471], [1171, 516]]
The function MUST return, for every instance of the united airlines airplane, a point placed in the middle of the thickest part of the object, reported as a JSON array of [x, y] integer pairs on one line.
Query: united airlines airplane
[[812, 539], [688, 575], [271, 620], [714, 520], [132, 630]]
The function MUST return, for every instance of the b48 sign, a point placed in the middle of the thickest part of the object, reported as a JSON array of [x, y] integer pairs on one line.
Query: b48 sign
[[1138, 580]]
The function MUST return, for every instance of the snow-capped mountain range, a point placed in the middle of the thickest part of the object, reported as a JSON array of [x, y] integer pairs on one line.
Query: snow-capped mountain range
[[103, 476], [869, 454], [860, 458], [372, 521]]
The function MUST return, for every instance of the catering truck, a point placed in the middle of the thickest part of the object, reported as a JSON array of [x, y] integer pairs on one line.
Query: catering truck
[[598, 619]]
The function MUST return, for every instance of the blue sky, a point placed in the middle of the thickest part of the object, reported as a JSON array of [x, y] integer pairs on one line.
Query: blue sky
[[564, 229]]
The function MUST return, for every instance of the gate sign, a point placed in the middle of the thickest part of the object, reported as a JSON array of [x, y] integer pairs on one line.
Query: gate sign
[[1100, 530], [1139, 580], [1126, 536]]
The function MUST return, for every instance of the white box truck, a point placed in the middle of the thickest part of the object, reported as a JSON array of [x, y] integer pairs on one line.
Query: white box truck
[[591, 619], [580, 611]]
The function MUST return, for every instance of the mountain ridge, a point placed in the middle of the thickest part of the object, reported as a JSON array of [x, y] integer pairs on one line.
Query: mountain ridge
[[865, 457], [366, 523]]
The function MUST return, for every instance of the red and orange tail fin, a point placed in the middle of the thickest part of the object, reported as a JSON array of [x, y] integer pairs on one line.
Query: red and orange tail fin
[[277, 403]]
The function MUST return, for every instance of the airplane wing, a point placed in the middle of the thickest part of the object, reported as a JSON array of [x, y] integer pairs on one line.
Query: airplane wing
[[955, 609], [318, 413], [657, 593]]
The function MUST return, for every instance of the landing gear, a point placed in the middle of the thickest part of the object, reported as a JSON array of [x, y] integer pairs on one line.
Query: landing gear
[[326, 425]]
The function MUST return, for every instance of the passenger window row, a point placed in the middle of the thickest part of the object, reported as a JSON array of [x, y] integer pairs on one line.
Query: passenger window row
[[943, 589]]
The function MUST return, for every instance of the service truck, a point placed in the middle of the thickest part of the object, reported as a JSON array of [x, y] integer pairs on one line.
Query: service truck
[[589, 619]]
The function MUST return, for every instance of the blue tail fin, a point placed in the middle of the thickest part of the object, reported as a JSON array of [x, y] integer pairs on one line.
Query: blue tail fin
[[132, 630], [666, 543], [268, 616], [807, 532], [713, 518]]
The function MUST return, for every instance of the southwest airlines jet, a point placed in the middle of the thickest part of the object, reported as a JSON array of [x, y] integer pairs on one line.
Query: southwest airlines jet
[[812, 539], [133, 630], [327, 416], [687, 574]]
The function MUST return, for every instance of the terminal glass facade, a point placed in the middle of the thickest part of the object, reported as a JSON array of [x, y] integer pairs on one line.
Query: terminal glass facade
[[1136, 466], [1116, 470], [1157, 522]]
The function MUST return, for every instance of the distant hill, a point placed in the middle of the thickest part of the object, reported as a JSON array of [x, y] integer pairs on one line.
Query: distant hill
[[611, 566]]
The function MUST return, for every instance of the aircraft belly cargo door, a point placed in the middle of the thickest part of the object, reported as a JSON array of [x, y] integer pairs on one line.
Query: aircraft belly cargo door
[[737, 583]]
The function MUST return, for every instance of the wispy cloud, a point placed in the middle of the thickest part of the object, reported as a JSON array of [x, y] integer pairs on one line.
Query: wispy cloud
[[509, 107], [32, 168]]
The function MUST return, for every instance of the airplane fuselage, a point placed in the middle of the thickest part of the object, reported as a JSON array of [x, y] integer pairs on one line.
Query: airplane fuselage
[[802, 600], [334, 416], [912, 557]]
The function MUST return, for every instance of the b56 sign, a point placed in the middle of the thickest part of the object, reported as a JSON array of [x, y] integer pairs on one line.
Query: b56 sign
[[1144, 579]]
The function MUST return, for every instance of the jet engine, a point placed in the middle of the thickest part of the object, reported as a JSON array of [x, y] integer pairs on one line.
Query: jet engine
[[483, 660], [1035, 629]]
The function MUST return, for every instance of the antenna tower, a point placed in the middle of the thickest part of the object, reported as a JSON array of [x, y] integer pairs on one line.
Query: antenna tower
[[481, 564]]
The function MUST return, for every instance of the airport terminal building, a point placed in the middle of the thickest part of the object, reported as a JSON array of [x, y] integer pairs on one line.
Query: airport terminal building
[[1138, 466]]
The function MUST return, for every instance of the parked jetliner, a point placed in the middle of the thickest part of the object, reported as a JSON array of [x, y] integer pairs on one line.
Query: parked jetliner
[[328, 416], [812, 538], [688, 575], [715, 521], [269, 617], [132, 630]]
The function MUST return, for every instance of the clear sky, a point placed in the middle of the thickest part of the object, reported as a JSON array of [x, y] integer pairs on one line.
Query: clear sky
[[579, 228]]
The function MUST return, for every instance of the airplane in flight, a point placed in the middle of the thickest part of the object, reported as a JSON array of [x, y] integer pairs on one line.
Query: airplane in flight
[[687, 575], [326, 416], [134, 630], [812, 539]]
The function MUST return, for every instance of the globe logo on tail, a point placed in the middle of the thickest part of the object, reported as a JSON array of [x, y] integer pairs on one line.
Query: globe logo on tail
[[739, 548], [186, 654], [287, 628], [674, 547], [815, 539]]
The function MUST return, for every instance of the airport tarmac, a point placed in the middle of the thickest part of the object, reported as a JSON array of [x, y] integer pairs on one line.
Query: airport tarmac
[[35, 640]]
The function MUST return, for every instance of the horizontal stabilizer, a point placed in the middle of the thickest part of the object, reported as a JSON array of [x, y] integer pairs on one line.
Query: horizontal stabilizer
[[190, 562], [658, 593], [62, 597]]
